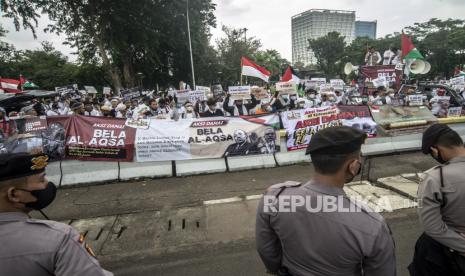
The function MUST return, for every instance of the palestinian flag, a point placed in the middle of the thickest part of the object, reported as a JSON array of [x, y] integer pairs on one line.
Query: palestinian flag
[[409, 51], [290, 75], [253, 70], [29, 84], [25, 83], [10, 85], [271, 120]]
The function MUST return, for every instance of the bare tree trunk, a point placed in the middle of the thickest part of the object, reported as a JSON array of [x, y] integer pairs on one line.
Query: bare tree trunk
[[112, 70], [128, 73]]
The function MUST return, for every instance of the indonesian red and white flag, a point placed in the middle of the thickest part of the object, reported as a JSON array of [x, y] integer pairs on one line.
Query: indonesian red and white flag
[[290, 76], [253, 70], [10, 85]]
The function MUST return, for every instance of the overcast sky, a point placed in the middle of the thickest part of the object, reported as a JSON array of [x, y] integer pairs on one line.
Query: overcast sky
[[270, 20]]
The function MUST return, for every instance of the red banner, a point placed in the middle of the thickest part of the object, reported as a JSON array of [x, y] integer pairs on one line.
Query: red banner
[[369, 73], [96, 138]]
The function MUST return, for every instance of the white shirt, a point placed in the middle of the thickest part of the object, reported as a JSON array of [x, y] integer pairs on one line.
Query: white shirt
[[52, 113]]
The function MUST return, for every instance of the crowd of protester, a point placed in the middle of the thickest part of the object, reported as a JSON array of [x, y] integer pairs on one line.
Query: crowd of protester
[[165, 105]]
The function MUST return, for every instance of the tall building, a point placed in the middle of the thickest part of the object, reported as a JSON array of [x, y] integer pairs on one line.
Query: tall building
[[316, 23], [365, 29]]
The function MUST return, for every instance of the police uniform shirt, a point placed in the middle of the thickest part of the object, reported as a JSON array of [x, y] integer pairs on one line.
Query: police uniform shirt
[[444, 224], [329, 243], [33, 247]]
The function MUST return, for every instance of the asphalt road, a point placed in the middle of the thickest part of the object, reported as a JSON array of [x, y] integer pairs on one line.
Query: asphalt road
[[240, 258], [148, 208]]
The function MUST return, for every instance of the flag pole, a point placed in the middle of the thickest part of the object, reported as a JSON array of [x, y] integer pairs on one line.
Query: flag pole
[[241, 70]]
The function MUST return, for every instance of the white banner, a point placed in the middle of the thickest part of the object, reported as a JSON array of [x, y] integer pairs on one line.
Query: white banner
[[239, 92], [289, 88], [337, 84], [206, 138]]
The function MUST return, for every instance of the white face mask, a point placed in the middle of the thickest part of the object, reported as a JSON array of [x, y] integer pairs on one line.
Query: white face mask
[[312, 96], [189, 108]]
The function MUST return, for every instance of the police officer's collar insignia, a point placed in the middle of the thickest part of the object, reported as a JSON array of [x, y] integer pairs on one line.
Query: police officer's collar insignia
[[90, 251], [39, 162]]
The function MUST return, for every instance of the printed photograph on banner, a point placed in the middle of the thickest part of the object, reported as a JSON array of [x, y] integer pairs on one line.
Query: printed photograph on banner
[[217, 90], [23, 135], [206, 138], [240, 92], [302, 124], [358, 117]]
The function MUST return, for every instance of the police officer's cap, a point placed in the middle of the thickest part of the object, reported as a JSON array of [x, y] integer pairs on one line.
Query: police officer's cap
[[431, 136], [21, 164], [336, 140]]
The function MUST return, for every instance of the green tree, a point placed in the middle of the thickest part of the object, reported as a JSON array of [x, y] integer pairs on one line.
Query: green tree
[[231, 49], [329, 52], [441, 42], [127, 37], [272, 60]]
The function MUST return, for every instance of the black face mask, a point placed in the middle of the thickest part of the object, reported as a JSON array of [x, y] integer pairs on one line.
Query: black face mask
[[358, 172], [44, 197], [439, 158]]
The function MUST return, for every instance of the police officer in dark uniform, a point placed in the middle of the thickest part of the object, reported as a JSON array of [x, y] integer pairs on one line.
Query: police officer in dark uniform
[[319, 240], [440, 250], [32, 247]]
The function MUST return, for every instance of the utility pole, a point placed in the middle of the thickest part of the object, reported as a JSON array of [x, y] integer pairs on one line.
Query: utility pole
[[245, 33], [190, 44]]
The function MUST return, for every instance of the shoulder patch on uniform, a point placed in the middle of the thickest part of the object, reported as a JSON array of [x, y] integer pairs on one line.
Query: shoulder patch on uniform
[[286, 184], [90, 251], [81, 240]]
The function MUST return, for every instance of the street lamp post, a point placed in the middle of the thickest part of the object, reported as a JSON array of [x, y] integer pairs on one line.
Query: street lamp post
[[190, 44]]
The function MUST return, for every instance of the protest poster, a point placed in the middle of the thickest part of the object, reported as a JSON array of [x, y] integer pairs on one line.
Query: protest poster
[[204, 138], [138, 123], [206, 90], [259, 93], [99, 139], [182, 96], [106, 91], [239, 92], [381, 81], [388, 72], [357, 116], [458, 81], [326, 88], [311, 84], [319, 81], [129, 94], [415, 100], [454, 111], [302, 124], [197, 95], [217, 91], [286, 88], [90, 90], [68, 89], [337, 84]]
